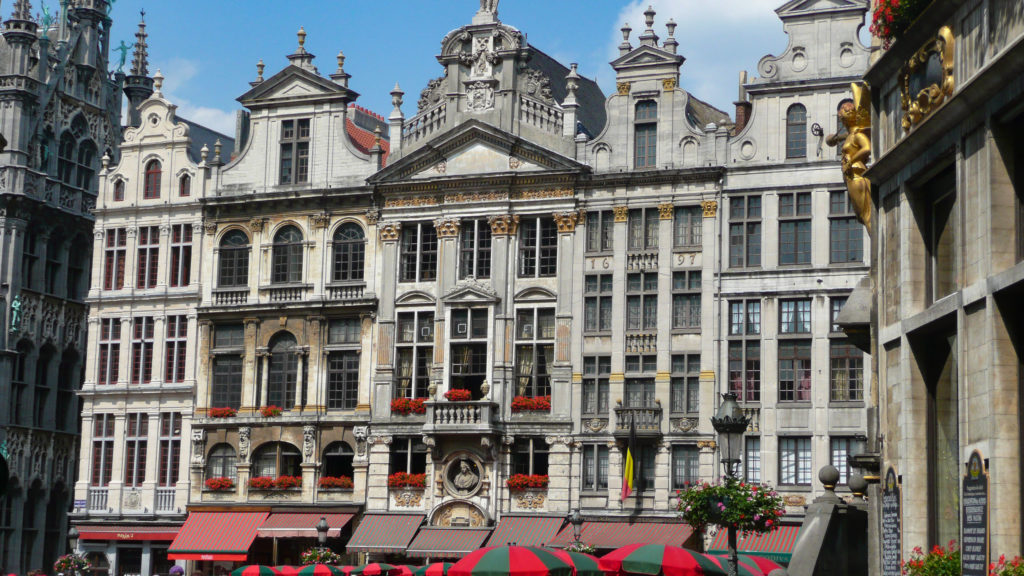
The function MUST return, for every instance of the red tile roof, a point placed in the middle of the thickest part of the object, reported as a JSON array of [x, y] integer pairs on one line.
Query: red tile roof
[[364, 139]]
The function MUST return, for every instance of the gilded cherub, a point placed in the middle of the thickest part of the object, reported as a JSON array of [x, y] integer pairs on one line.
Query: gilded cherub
[[856, 149]]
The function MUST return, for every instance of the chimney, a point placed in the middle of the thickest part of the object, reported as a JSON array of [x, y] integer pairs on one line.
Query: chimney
[[743, 106]]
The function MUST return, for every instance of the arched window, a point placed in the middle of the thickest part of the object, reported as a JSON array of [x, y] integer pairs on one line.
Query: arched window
[[337, 460], [287, 258], [185, 185], [284, 371], [151, 186], [276, 459], [796, 131], [86, 169], [66, 158], [349, 252], [119, 191], [234, 260], [645, 125], [222, 462]]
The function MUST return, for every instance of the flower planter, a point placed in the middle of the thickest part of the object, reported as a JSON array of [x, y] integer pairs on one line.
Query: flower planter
[[458, 395], [335, 483], [222, 412], [408, 406], [271, 411], [220, 484], [531, 404]]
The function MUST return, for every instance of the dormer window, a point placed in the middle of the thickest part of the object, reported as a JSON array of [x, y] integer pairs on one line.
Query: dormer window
[[151, 188], [295, 151], [119, 191], [796, 131], [645, 127], [185, 186]]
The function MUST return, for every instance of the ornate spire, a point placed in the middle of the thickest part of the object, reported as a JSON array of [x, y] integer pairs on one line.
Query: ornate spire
[[140, 59], [22, 10]]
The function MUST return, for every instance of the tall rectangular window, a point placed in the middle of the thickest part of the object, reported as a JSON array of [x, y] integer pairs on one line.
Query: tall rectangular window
[[846, 374], [940, 231], [343, 380], [599, 231], [795, 461], [102, 449], [142, 350], [597, 303], [176, 344], [642, 227], [639, 393], [795, 316], [795, 228], [744, 349], [744, 231], [418, 252], [469, 349], [170, 448], [685, 384], [475, 249], [846, 236], [685, 466], [840, 449], [836, 304], [530, 456], [114, 255], [795, 371], [645, 126], [687, 226], [228, 348], [595, 467], [109, 363], [408, 455], [181, 255], [149, 256], [535, 351], [752, 459], [538, 248], [686, 299], [29, 259], [415, 353], [596, 372], [294, 151], [136, 441], [642, 301]]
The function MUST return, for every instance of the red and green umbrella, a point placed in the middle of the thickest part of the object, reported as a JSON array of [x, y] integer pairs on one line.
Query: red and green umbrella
[[255, 570], [743, 566], [381, 569], [511, 561], [659, 560], [287, 570], [763, 564], [585, 564], [321, 570], [436, 569]]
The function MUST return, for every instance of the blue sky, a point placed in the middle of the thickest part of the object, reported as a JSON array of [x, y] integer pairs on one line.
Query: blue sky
[[208, 49]]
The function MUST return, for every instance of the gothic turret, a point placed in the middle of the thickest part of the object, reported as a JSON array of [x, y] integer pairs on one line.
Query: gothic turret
[[138, 86], [20, 33], [90, 54]]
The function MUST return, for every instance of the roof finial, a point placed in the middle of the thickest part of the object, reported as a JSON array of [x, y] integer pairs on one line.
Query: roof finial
[[140, 58], [341, 62], [649, 16], [396, 98], [22, 10], [625, 47], [302, 39], [259, 70], [158, 83], [649, 38], [671, 44]]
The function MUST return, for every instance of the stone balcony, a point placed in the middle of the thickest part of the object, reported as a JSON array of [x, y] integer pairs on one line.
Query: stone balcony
[[648, 420], [472, 417]]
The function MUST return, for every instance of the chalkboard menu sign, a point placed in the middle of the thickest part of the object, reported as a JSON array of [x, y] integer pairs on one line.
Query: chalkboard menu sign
[[974, 518], [892, 528]]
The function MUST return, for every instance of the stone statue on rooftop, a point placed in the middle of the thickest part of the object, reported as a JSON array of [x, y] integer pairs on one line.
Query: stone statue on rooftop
[[489, 6]]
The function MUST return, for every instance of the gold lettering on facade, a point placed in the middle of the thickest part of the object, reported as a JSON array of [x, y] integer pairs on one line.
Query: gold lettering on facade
[[411, 202], [542, 194]]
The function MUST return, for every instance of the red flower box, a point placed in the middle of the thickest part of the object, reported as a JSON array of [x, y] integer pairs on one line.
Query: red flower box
[[222, 412], [261, 483], [406, 480], [531, 404], [271, 411], [286, 482], [408, 406], [335, 483], [520, 482], [458, 395], [220, 484]]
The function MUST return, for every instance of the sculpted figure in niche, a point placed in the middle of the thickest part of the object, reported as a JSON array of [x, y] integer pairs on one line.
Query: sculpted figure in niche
[[466, 479]]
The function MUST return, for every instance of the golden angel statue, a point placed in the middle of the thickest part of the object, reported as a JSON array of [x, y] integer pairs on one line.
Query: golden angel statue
[[856, 149]]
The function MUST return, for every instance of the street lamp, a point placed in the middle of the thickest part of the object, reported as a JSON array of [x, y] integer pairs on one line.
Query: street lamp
[[73, 539], [576, 519], [321, 532], [730, 423]]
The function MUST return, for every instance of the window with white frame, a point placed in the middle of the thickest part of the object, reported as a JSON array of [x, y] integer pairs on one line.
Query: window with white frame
[[642, 229], [109, 363], [469, 346], [686, 299], [142, 350], [685, 384], [795, 316], [535, 351], [349, 253], [687, 226], [600, 224], [114, 256], [286, 255], [846, 372], [181, 255], [233, 257], [795, 461], [596, 374], [475, 249], [415, 353], [840, 449], [418, 252], [597, 303], [102, 450], [744, 231], [752, 459], [645, 138], [176, 344], [170, 448], [744, 349], [795, 228], [642, 301], [794, 371], [136, 441], [294, 151], [149, 256], [595, 467], [538, 247]]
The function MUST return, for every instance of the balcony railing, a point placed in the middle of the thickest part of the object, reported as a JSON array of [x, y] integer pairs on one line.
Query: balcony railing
[[648, 420], [97, 499], [642, 261], [473, 416], [346, 291], [230, 296], [286, 292], [164, 500]]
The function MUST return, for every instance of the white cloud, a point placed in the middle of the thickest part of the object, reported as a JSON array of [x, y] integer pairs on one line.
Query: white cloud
[[178, 76]]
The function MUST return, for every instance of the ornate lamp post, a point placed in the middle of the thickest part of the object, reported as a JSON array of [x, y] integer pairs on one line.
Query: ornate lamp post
[[730, 423], [576, 519], [73, 539], [321, 533]]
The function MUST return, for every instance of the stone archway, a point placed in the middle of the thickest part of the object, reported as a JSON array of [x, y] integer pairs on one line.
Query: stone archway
[[460, 514]]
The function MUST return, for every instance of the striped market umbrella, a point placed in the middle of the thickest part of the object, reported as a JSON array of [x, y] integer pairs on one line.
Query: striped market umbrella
[[287, 570], [255, 570], [585, 564], [321, 570], [381, 569], [763, 564], [511, 561], [436, 569], [743, 566], [659, 560]]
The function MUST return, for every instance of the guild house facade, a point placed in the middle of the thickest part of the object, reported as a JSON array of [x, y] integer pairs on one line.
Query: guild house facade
[[435, 329]]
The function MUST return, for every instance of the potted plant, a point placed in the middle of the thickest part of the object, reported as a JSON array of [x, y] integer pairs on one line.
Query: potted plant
[[521, 482], [581, 547], [220, 484], [1004, 567], [732, 502], [531, 404], [406, 480], [458, 395], [320, 556], [937, 562], [71, 564], [288, 482], [261, 483], [891, 18], [406, 406], [335, 483], [222, 412], [271, 411]]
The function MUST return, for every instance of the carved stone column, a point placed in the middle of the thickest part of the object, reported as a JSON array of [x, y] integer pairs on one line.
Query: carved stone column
[[503, 233]]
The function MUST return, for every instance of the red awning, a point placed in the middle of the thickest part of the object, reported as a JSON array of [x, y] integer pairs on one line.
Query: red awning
[[526, 530], [126, 532], [216, 536], [446, 542], [302, 524], [619, 534], [776, 545], [385, 533]]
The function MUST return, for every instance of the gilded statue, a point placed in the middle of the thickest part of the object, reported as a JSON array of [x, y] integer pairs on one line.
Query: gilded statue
[[856, 149]]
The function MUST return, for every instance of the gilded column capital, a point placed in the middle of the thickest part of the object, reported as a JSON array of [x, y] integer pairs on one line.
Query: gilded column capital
[[447, 227], [372, 216], [623, 88], [257, 224], [504, 225], [668, 84], [710, 208], [666, 211], [621, 213], [566, 221], [390, 231]]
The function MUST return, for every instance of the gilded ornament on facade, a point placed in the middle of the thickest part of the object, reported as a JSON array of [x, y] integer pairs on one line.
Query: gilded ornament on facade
[[927, 79], [462, 197], [408, 498], [447, 227], [856, 148], [668, 84], [623, 88], [684, 424], [514, 163], [707, 445], [531, 499], [411, 202], [256, 224], [319, 221], [390, 231], [504, 225], [710, 208], [566, 221], [666, 211], [621, 213], [542, 194]]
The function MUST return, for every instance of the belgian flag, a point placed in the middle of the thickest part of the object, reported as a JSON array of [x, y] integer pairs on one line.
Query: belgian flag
[[628, 465]]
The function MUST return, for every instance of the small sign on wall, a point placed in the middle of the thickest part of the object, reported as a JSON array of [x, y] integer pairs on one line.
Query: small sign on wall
[[892, 525], [974, 518]]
